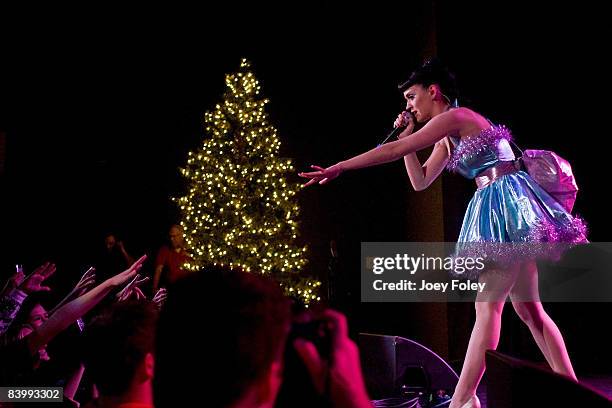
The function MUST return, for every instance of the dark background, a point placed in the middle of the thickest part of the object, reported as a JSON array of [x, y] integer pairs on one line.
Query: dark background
[[100, 106]]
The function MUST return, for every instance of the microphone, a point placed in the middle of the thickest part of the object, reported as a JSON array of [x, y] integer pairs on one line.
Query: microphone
[[394, 133]]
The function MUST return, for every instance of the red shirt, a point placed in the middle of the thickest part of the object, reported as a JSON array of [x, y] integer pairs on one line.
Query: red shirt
[[172, 262]]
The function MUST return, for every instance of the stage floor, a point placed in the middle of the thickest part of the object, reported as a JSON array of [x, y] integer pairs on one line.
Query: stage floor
[[600, 382]]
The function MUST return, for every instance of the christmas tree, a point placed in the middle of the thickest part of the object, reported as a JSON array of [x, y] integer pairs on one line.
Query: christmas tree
[[240, 210]]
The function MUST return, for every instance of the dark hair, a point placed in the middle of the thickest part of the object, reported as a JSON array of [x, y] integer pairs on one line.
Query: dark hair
[[243, 321], [23, 315], [116, 342], [432, 71]]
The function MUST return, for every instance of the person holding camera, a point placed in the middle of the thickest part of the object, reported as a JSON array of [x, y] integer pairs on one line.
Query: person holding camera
[[246, 325]]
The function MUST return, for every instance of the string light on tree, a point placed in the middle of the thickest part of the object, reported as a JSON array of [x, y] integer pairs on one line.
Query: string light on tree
[[240, 209]]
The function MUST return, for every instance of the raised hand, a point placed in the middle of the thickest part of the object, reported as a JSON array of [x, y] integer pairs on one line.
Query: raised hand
[[13, 282], [86, 282], [342, 372], [132, 289], [128, 274], [322, 175], [17, 279], [404, 119], [160, 297], [33, 283]]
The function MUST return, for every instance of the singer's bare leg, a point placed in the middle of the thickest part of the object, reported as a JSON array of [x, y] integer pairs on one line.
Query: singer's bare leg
[[485, 334], [526, 301]]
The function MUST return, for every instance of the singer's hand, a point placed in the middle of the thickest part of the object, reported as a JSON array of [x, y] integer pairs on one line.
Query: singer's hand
[[321, 176], [405, 119]]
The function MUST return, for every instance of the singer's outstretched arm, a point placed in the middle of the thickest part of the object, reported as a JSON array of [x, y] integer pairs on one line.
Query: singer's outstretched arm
[[435, 130]]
